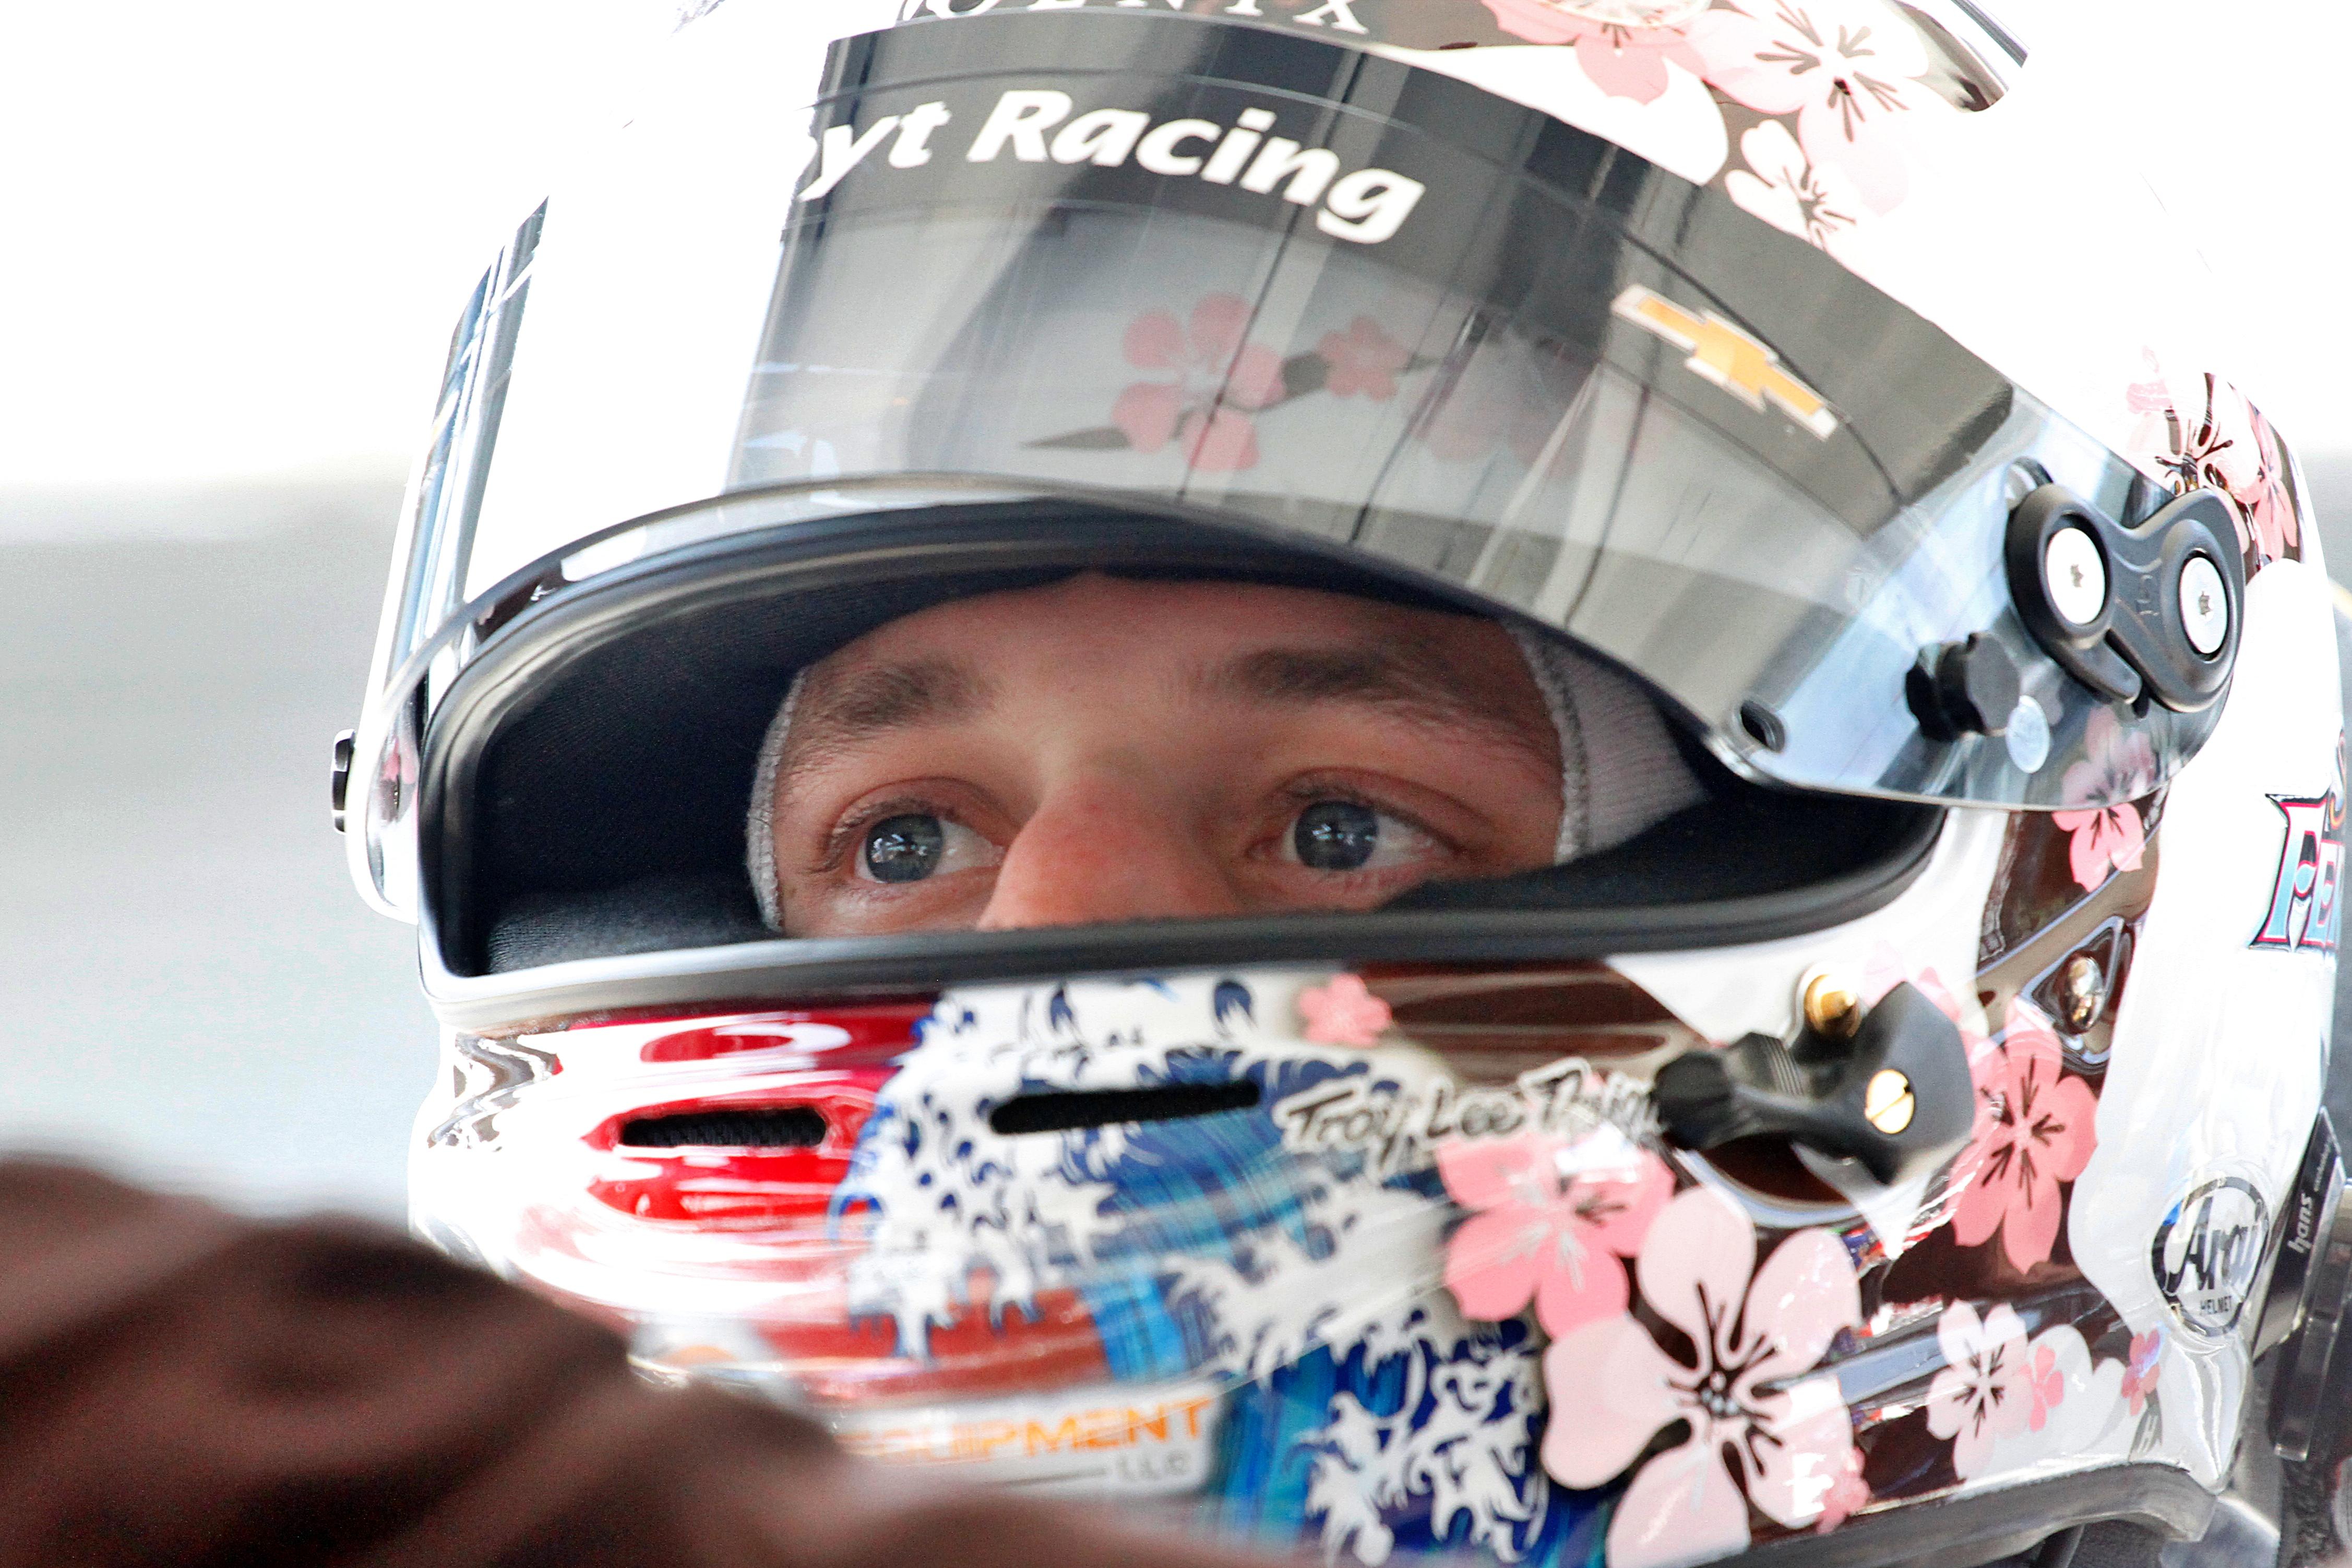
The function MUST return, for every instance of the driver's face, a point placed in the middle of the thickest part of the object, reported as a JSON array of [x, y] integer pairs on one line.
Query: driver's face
[[1109, 750]]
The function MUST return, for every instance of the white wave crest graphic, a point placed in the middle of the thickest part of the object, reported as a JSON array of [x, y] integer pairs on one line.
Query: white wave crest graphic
[[1354, 1267]]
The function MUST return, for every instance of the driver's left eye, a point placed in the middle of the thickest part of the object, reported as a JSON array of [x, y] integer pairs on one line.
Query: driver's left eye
[[1346, 835]]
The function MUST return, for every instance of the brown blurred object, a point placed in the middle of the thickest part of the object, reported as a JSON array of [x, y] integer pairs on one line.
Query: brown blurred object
[[179, 1387]]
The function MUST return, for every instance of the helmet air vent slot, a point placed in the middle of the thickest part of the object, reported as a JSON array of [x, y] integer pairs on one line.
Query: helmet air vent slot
[[1068, 1111], [766, 1127]]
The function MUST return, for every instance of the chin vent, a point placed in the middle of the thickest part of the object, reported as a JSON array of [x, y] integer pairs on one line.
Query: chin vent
[[1063, 1113], [780, 1127]]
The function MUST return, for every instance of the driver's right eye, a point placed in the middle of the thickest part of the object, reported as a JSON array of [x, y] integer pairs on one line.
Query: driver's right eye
[[914, 845]]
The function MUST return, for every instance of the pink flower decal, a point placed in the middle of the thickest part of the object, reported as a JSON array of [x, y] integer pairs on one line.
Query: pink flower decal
[[2203, 434], [2200, 449], [1816, 202], [1344, 1012], [2140, 1372], [2045, 1384], [1849, 1494], [2107, 838], [2110, 839], [1847, 69], [2036, 1128], [1826, 98], [1553, 1217], [1623, 46], [1220, 379], [2267, 499], [1363, 359], [1981, 1392], [1760, 1432], [2150, 396]]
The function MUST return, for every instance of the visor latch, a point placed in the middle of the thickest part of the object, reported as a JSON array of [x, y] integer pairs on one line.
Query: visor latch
[[1968, 687], [339, 780], [1895, 1096]]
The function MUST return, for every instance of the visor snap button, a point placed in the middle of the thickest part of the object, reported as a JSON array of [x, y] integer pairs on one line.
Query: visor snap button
[[2204, 606], [1888, 1102], [2076, 574]]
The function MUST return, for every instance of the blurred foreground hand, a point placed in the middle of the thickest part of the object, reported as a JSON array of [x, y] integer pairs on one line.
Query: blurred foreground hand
[[179, 1387]]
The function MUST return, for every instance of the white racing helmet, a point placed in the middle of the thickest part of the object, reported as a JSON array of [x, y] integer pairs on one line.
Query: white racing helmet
[[1908, 1144]]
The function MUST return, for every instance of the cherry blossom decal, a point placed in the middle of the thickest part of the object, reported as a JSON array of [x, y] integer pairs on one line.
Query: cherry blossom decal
[[1219, 379], [1977, 1395], [1623, 47], [1501, 393], [1344, 1012], [2141, 1371], [1217, 385], [2112, 838], [1362, 359], [1845, 71], [1552, 1217], [2036, 1128], [1787, 191], [1760, 1432], [2006, 1401], [2202, 433], [1826, 98]]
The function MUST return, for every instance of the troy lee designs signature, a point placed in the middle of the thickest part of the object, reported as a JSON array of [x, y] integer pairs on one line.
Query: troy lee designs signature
[[1396, 1126]]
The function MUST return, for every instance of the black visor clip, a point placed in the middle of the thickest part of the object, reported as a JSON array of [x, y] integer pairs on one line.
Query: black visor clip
[[2146, 613], [1896, 1097]]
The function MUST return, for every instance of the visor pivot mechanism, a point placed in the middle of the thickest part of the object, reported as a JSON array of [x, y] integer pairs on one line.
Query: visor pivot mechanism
[[2139, 614], [1894, 1096], [1969, 688]]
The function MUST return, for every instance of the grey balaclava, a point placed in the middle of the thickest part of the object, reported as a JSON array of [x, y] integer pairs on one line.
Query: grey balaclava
[[1618, 770]]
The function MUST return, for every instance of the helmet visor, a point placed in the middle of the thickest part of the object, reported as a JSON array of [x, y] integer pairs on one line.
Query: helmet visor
[[1360, 304]]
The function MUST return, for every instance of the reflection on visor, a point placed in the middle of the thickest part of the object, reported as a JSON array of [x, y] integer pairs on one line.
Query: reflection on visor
[[1050, 287], [1556, 383]]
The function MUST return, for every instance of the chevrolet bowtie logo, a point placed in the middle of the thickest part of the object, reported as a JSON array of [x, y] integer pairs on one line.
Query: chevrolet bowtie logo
[[1729, 358]]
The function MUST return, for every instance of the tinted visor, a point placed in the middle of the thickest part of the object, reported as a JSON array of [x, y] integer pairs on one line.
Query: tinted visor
[[1452, 335], [1302, 294], [1381, 309]]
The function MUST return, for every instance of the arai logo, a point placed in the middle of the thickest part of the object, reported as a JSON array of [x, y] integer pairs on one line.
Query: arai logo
[[2207, 1252]]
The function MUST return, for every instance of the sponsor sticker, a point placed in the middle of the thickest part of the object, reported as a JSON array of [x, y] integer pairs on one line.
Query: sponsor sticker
[[1048, 127], [1738, 362], [2305, 909], [1112, 1440], [2207, 1250]]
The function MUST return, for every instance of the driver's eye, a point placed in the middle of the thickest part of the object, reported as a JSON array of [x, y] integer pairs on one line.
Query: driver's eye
[[916, 845], [1342, 835]]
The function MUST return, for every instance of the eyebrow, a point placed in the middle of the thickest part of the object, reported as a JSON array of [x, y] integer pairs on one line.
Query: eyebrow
[[840, 713], [1411, 679]]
